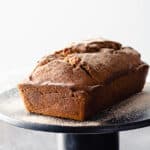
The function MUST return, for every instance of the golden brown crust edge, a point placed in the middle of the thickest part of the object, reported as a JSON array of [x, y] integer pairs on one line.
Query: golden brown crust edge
[[81, 104], [117, 90], [85, 64]]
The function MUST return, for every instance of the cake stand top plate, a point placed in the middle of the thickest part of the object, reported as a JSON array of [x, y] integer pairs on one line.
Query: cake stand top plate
[[130, 114]]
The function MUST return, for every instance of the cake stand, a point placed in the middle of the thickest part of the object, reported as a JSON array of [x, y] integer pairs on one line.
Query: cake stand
[[98, 133]]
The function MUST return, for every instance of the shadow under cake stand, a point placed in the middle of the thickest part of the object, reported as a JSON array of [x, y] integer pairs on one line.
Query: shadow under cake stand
[[99, 133]]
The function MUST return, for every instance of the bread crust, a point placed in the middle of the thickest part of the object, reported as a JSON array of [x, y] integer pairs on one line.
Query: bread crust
[[78, 82]]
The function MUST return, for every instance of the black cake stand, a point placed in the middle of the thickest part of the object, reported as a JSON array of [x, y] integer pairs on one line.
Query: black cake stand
[[99, 133]]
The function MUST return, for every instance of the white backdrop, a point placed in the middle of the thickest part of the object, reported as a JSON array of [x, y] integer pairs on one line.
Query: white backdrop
[[31, 28]]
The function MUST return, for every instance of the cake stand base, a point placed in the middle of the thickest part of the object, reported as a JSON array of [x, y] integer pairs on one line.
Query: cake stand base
[[99, 133]]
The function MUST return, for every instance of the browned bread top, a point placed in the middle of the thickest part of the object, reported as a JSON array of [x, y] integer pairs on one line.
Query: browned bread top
[[85, 64]]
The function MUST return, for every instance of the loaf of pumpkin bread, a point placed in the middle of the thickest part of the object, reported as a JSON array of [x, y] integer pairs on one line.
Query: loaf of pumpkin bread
[[82, 79]]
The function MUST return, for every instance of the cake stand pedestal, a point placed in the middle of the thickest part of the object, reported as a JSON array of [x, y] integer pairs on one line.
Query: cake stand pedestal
[[108, 141], [98, 133]]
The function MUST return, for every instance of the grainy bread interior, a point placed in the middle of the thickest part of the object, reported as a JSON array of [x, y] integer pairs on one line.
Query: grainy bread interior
[[82, 79]]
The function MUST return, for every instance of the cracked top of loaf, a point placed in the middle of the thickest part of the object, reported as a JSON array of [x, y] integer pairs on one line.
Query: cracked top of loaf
[[89, 63]]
